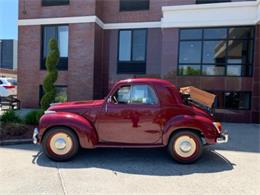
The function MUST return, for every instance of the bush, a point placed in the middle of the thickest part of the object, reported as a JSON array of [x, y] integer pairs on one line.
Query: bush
[[61, 99], [52, 75], [33, 117], [10, 117]]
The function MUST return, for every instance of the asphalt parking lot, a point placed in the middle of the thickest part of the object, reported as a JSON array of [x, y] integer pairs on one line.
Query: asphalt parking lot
[[231, 168]]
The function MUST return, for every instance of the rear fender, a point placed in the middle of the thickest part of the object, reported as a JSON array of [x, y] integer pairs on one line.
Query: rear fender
[[200, 124], [82, 127]]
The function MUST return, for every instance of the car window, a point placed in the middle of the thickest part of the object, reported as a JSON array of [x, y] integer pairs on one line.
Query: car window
[[12, 81], [122, 96], [1, 82], [143, 94]]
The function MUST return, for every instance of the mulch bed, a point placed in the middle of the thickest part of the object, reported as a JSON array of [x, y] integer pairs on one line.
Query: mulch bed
[[10, 131]]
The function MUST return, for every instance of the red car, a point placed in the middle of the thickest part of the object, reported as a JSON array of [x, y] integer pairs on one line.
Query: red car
[[136, 113]]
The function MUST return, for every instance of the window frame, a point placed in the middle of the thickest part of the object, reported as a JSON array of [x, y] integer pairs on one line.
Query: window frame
[[202, 40], [63, 64], [130, 10], [55, 3], [127, 65]]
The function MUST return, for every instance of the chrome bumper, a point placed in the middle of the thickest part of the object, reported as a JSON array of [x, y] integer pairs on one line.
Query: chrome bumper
[[223, 138], [35, 135]]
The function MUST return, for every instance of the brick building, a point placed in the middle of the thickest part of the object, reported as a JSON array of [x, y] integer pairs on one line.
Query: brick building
[[211, 44]]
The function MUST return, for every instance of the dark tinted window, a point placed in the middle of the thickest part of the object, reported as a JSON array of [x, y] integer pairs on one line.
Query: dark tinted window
[[237, 100], [216, 51], [61, 34], [134, 5], [54, 2], [211, 1]]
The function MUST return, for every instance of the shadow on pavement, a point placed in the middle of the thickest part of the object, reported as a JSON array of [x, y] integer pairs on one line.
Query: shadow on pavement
[[154, 161]]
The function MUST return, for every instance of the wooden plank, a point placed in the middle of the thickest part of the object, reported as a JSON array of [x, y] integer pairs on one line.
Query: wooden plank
[[200, 96]]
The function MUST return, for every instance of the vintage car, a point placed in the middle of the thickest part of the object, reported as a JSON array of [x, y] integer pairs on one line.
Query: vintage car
[[141, 112]]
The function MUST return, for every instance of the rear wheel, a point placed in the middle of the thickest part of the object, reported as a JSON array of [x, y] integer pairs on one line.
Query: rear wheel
[[185, 147], [60, 144]]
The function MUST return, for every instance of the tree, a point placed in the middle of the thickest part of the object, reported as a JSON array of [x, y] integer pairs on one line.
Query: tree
[[52, 74]]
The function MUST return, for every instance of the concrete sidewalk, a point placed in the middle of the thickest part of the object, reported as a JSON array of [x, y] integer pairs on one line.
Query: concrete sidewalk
[[231, 168]]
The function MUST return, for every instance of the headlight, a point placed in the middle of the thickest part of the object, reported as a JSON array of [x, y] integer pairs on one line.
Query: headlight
[[218, 126]]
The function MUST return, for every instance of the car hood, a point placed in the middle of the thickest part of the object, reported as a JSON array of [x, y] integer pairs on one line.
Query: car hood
[[76, 106]]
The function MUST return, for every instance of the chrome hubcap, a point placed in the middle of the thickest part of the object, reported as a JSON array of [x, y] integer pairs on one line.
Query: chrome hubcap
[[185, 146], [61, 143]]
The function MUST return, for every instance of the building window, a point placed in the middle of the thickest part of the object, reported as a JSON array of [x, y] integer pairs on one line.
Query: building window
[[61, 93], [216, 51], [211, 1], [233, 100], [132, 51], [55, 2], [7, 54], [60, 33], [134, 5]]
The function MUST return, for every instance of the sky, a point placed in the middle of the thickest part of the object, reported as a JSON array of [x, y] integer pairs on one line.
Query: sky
[[8, 19]]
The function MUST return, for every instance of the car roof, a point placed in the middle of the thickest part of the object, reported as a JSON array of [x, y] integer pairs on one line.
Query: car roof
[[146, 80]]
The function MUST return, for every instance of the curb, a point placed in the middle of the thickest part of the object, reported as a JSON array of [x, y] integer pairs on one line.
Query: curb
[[15, 141]]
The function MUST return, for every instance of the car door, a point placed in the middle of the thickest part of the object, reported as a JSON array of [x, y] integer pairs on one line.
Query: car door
[[131, 116]]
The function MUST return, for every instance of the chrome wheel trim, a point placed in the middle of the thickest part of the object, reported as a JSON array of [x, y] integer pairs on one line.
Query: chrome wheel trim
[[61, 143], [185, 146]]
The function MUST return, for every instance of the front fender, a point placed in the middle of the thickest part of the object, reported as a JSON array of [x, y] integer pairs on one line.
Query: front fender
[[198, 123], [85, 131]]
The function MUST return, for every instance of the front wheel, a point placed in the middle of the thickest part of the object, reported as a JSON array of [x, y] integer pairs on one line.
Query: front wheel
[[185, 147], [60, 144]]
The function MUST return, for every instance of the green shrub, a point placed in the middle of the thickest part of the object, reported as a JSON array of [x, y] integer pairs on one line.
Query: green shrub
[[10, 117], [33, 117], [52, 75], [60, 98]]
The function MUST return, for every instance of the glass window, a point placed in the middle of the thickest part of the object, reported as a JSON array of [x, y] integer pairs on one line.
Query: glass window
[[215, 33], [190, 52], [125, 46], [63, 40], [139, 39], [189, 70], [241, 33], [61, 93], [54, 2], [134, 5], [132, 51], [237, 100], [216, 51], [61, 34], [240, 52], [122, 95], [213, 70], [191, 34], [143, 94]]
